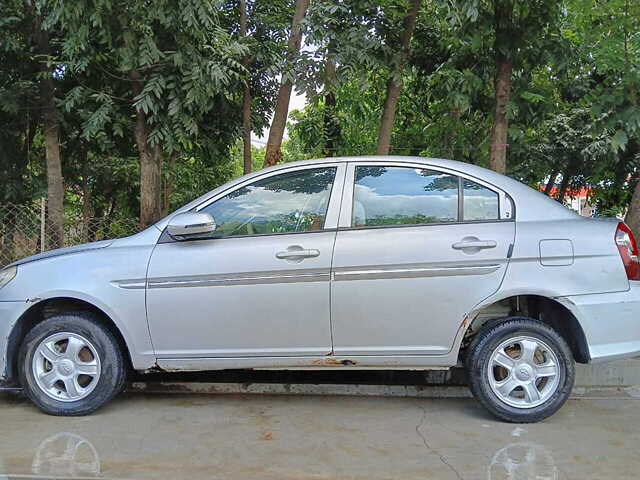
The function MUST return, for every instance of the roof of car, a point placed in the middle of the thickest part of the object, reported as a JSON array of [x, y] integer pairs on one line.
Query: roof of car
[[467, 168], [381, 158]]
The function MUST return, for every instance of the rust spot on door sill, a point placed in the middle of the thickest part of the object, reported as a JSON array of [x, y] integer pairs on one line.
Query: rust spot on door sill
[[334, 362]]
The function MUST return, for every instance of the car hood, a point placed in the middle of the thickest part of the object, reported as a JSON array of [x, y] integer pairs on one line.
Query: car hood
[[63, 251]]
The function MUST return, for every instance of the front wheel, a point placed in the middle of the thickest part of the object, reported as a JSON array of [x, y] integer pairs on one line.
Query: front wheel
[[520, 369], [70, 364]]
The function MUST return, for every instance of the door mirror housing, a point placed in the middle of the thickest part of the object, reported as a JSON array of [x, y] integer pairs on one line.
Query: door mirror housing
[[190, 225]]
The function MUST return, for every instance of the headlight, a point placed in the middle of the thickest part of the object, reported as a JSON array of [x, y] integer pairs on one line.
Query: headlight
[[7, 275]]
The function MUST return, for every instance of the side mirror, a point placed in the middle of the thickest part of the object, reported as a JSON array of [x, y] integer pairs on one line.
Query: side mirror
[[188, 225]]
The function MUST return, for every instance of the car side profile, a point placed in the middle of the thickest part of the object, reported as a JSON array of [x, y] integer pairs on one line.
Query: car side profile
[[353, 263]]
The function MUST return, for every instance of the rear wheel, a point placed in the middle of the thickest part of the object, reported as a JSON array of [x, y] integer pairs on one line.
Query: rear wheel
[[71, 365], [520, 369]]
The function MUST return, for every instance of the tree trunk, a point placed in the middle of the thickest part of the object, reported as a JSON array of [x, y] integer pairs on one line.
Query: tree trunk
[[624, 170], [394, 84], [150, 181], [567, 175], [499, 131], [86, 210], [632, 218], [87, 207], [562, 189], [246, 99], [552, 181], [331, 124], [150, 165], [169, 184], [453, 136], [246, 130], [273, 154], [502, 23], [51, 130], [55, 181]]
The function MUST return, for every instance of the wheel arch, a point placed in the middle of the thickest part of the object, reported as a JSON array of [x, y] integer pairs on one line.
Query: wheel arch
[[541, 307], [46, 308]]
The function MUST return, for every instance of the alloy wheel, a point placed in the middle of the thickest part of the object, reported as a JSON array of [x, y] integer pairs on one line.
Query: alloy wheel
[[66, 366], [523, 372]]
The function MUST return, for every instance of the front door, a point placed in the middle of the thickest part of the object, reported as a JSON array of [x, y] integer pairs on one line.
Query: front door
[[261, 286], [417, 249]]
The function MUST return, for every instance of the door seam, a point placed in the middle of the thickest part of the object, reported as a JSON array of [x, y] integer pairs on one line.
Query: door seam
[[333, 253]]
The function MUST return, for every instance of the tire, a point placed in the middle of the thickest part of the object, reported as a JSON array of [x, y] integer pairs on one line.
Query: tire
[[520, 378], [44, 358]]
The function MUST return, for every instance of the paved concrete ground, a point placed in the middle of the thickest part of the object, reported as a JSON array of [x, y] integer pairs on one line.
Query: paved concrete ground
[[192, 436]]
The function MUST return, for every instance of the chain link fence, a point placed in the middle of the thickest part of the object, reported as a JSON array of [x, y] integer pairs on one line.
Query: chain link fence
[[24, 230]]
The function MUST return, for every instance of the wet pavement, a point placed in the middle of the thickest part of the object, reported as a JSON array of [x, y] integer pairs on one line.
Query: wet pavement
[[178, 436]]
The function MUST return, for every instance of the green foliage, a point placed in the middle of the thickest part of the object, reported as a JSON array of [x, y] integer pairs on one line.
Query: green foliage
[[189, 63], [573, 113], [358, 107], [185, 61], [194, 177]]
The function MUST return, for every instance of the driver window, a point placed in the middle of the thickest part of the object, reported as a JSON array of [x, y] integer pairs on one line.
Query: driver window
[[286, 203]]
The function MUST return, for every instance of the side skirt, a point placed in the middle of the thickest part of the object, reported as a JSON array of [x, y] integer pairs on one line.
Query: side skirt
[[415, 362]]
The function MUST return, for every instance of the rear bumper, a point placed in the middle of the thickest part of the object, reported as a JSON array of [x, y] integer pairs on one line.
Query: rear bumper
[[10, 312], [610, 321]]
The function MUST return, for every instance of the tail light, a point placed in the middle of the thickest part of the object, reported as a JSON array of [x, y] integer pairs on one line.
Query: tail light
[[628, 249]]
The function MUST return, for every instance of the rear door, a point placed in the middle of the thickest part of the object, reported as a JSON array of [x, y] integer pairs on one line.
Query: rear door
[[417, 248]]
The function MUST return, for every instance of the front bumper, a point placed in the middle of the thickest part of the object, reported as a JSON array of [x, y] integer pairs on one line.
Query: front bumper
[[10, 312], [610, 321]]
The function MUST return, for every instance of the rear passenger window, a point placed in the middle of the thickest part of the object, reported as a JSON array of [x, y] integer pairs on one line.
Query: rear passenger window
[[479, 203], [403, 196]]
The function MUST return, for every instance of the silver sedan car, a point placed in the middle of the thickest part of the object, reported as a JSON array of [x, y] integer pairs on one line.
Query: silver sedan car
[[353, 263]]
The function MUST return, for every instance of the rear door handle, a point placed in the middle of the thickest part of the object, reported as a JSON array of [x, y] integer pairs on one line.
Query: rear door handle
[[474, 244], [296, 252]]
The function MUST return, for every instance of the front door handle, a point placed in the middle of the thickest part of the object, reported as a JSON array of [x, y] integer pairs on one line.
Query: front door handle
[[296, 252], [473, 244]]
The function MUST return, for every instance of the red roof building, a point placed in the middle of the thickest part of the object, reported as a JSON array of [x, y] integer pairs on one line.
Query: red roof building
[[576, 199]]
